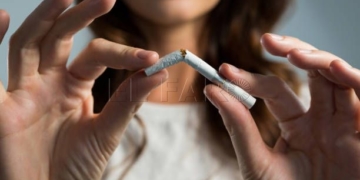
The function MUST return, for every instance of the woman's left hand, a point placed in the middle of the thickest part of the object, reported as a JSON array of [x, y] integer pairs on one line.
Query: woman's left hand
[[322, 142]]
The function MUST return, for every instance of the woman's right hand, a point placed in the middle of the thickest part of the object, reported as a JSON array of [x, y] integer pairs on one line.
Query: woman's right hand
[[47, 126]]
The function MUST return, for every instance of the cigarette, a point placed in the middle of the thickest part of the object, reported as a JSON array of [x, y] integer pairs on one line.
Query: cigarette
[[206, 70]]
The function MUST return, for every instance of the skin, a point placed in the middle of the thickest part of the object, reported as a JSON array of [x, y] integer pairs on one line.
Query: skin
[[48, 129], [319, 143], [169, 25], [171, 12]]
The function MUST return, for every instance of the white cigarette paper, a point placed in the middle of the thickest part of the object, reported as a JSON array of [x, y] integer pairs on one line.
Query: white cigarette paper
[[206, 70]]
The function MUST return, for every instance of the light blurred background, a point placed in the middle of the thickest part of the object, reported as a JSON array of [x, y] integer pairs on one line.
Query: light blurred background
[[330, 25]]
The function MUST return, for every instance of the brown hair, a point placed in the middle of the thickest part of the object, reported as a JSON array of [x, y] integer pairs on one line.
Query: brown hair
[[232, 35]]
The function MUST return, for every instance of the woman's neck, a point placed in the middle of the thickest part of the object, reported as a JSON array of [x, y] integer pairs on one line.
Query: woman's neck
[[180, 87]]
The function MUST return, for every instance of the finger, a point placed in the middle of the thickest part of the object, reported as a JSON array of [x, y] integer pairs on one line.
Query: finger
[[4, 24], [124, 103], [24, 53], [345, 100], [279, 98], [314, 60], [320, 88], [347, 75], [311, 59], [281, 45], [346, 107], [100, 53], [39, 22], [57, 44], [2, 92], [321, 92], [250, 149]]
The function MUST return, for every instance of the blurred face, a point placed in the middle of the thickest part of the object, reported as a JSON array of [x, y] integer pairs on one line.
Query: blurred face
[[167, 12]]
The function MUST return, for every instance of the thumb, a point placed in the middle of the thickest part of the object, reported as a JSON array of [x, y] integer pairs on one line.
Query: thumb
[[122, 106], [4, 24], [252, 153]]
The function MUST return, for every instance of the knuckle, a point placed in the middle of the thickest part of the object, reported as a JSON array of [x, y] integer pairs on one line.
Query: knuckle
[[276, 81], [20, 40], [96, 44], [243, 83], [128, 51], [62, 4], [231, 132], [106, 5], [14, 39], [293, 51], [279, 86], [313, 74], [294, 39]]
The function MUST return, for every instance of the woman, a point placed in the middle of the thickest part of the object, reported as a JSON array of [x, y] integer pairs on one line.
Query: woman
[[48, 127], [166, 26]]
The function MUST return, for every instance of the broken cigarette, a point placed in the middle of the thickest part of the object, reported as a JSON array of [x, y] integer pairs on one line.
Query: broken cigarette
[[206, 70]]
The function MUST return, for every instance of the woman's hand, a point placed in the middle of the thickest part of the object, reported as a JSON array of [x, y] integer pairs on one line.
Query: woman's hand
[[47, 126], [320, 143]]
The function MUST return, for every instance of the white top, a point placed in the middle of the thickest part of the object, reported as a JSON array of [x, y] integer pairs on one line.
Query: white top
[[178, 147]]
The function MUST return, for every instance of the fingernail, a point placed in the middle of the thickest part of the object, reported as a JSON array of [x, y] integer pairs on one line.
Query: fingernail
[[277, 37], [143, 54], [305, 51], [233, 68]]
